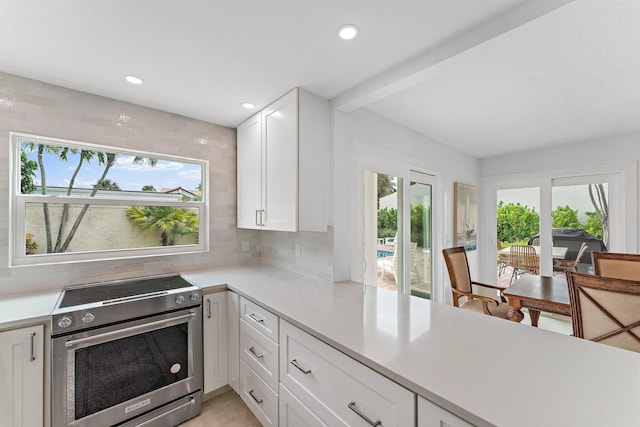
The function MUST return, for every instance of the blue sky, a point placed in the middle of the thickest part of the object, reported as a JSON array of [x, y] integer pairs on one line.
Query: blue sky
[[128, 176]]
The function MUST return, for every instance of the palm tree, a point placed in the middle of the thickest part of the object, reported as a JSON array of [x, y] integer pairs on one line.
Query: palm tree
[[170, 221], [104, 159], [107, 184]]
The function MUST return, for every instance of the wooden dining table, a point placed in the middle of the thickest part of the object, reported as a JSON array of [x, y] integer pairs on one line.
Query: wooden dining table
[[536, 294]]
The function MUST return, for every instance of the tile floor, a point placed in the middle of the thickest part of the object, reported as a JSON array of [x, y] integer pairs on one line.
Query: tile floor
[[226, 410]]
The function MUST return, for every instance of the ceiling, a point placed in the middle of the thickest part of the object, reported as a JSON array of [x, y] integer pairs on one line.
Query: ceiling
[[487, 78]]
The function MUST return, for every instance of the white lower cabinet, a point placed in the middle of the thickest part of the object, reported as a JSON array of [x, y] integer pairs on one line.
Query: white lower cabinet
[[22, 377], [258, 396], [338, 389], [432, 415], [214, 329], [293, 413]]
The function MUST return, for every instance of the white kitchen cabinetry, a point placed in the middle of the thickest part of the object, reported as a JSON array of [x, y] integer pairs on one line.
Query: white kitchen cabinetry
[[214, 329], [22, 377], [259, 356], [336, 388], [233, 340], [293, 413], [431, 415], [283, 158]]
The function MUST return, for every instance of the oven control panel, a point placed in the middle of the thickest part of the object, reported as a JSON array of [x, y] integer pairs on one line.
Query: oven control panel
[[72, 319]]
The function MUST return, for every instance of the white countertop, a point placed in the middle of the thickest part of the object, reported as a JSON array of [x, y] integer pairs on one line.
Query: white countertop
[[487, 370], [25, 309]]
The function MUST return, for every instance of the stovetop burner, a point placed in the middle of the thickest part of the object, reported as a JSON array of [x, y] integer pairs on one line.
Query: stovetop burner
[[111, 291], [89, 306]]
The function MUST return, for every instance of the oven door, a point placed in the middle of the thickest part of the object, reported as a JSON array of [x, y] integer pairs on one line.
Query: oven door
[[111, 374]]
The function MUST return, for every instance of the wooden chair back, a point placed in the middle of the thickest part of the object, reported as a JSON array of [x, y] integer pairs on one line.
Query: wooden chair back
[[524, 258], [458, 266], [617, 265], [605, 309]]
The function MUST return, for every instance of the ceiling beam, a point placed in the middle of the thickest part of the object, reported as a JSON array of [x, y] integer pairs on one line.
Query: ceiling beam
[[423, 66]]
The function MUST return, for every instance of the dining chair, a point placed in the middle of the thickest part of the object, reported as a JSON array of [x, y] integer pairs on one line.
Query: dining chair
[[502, 263], [523, 259], [564, 265], [605, 309], [462, 285], [617, 265]]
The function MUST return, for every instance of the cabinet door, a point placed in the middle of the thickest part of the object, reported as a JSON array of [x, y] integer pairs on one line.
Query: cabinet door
[[293, 413], [249, 173], [431, 415], [280, 175], [214, 328], [22, 377], [233, 340]]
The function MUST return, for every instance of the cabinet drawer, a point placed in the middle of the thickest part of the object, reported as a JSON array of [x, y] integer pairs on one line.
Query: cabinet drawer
[[293, 413], [261, 319], [321, 376], [258, 396], [431, 415], [259, 353]]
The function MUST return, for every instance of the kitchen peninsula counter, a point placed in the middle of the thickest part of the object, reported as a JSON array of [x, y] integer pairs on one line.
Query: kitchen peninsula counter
[[489, 371]]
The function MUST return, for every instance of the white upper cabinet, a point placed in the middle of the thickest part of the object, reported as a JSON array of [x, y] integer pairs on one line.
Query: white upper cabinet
[[250, 172], [283, 165]]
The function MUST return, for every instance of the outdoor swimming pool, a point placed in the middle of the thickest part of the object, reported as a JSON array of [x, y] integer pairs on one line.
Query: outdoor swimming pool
[[384, 254]]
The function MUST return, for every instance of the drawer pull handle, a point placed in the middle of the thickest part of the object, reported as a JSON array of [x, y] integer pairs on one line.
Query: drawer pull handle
[[294, 362], [259, 402], [354, 408], [253, 351], [256, 318]]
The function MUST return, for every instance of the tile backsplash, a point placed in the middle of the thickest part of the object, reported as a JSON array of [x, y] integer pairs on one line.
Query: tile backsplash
[[46, 110]]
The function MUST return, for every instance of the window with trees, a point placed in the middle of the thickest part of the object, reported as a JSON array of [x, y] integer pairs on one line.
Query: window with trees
[[74, 201]]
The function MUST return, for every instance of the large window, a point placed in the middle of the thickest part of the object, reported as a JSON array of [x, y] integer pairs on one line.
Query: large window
[[73, 201]]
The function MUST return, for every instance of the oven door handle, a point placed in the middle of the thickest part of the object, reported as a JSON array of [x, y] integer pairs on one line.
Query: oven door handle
[[129, 330]]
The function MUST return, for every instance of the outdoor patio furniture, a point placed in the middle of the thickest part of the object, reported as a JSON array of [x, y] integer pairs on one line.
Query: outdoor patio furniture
[[523, 259], [391, 264], [564, 265], [462, 285]]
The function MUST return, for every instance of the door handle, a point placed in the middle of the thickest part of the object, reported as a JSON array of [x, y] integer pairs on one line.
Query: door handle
[[253, 351], [294, 362], [354, 408], [32, 355]]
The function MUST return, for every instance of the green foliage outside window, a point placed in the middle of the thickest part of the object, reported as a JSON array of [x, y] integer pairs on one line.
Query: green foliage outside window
[[516, 223], [565, 217], [387, 222]]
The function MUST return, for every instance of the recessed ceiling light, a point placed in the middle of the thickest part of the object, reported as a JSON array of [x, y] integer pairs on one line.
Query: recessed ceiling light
[[248, 105], [133, 79], [348, 32]]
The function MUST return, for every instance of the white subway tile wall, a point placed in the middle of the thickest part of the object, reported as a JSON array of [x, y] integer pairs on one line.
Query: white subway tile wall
[[52, 111], [47, 110]]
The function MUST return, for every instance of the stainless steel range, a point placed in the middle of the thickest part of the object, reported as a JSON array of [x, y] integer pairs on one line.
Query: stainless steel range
[[127, 353]]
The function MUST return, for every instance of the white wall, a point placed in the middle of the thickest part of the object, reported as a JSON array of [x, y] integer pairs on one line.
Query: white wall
[[364, 138], [47, 110], [619, 155]]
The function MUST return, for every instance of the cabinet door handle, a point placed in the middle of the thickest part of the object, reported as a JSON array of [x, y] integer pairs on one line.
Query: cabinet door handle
[[208, 308], [259, 402], [32, 356], [253, 351], [294, 362], [258, 222], [354, 408], [256, 318]]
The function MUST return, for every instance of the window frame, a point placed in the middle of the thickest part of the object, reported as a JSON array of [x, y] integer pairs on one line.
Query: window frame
[[18, 203]]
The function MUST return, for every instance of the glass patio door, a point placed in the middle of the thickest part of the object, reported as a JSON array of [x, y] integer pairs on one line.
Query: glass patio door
[[398, 232], [421, 226]]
